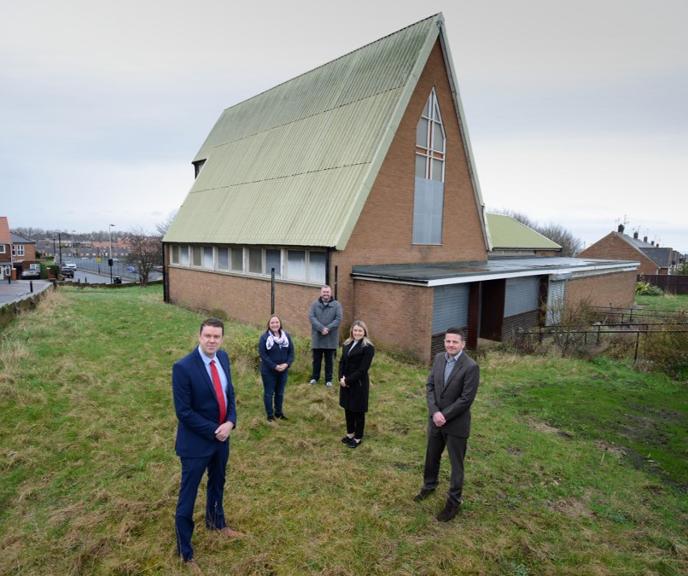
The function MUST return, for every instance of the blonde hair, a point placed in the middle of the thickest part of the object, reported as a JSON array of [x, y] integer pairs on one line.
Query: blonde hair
[[365, 340]]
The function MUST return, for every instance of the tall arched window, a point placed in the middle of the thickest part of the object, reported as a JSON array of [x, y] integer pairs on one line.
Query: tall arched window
[[429, 184]]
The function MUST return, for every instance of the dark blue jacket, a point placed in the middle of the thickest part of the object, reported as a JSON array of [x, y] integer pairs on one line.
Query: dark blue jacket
[[276, 355], [196, 405]]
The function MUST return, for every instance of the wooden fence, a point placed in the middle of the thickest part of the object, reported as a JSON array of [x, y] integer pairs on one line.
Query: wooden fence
[[670, 284]]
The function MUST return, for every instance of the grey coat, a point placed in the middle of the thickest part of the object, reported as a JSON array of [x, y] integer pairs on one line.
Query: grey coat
[[453, 398], [322, 315]]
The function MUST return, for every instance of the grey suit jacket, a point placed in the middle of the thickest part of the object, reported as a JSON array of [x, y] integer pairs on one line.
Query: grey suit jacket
[[453, 398]]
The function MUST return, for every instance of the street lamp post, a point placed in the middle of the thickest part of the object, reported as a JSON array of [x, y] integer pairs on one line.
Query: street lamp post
[[110, 261]]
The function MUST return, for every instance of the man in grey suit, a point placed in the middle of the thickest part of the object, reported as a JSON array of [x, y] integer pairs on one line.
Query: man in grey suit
[[451, 389]]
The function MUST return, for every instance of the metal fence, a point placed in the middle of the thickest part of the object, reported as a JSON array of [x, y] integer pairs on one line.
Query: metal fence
[[629, 325], [631, 316]]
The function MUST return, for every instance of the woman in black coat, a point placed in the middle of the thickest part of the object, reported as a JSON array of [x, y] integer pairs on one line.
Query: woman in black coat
[[354, 384]]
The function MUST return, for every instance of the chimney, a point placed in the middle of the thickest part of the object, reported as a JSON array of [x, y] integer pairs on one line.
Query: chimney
[[620, 228], [635, 235], [652, 243], [645, 239]]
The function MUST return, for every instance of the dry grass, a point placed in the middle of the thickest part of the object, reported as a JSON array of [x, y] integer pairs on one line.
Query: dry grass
[[88, 477]]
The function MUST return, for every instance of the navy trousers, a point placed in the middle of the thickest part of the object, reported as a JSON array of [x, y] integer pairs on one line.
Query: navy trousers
[[273, 388], [192, 472]]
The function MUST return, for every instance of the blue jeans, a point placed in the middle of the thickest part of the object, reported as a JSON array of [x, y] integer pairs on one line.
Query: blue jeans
[[273, 387]]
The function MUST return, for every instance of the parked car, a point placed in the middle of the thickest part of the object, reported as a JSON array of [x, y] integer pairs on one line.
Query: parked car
[[68, 269], [31, 271], [131, 269]]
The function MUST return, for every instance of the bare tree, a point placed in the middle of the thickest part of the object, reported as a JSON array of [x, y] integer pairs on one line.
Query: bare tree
[[570, 245], [145, 252], [162, 227]]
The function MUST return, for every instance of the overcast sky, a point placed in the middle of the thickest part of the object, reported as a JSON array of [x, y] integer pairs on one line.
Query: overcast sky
[[577, 111]]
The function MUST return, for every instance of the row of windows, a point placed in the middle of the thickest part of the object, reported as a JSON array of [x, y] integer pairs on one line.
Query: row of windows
[[297, 265], [17, 250]]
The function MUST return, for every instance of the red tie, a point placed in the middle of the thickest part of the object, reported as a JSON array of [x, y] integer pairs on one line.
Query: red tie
[[218, 391]]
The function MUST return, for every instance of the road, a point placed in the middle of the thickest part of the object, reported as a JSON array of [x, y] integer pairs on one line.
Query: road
[[88, 270]]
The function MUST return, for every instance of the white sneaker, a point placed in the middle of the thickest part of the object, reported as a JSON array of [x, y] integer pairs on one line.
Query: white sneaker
[[328, 384], [313, 381]]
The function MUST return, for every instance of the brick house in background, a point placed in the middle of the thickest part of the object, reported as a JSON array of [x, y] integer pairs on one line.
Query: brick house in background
[[617, 244], [360, 174], [5, 248], [23, 252]]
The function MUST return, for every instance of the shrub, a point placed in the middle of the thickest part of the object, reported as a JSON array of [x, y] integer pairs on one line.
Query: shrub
[[666, 351], [647, 289]]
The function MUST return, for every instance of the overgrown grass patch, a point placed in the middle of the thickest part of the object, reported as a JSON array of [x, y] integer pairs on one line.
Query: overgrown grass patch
[[664, 303], [89, 479]]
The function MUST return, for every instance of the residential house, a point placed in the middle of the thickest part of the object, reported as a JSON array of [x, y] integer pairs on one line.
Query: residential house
[[360, 174], [23, 252], [619, 245], [5, 249]]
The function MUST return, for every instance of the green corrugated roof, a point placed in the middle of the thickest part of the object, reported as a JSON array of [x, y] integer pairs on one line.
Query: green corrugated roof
[[508, 233], [294, 165]]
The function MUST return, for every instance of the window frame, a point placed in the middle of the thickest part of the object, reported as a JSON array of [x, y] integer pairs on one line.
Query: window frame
[[429, 175]]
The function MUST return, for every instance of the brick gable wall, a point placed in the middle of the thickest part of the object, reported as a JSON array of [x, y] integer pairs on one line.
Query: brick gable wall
[[612, 247], [383, 233]]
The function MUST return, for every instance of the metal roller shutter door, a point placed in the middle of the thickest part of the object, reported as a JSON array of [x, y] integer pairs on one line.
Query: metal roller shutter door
[[450, 308], [522, 295]]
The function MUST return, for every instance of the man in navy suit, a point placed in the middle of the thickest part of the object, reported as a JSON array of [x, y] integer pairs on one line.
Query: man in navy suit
[[451, 388], [206, 411]]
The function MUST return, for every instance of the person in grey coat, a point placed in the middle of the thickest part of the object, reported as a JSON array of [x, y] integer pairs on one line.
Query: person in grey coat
[[451, 388], [325, 315]]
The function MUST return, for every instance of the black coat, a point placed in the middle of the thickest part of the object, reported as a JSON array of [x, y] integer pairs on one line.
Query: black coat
[[354, 365]]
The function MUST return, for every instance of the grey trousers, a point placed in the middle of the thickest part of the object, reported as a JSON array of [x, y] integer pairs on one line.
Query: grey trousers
[[456, 448]]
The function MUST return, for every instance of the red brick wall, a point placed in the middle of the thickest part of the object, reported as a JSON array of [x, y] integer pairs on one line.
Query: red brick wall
[[612, 247], [243, 299], [616, 289], [398, 316], [384, 231]]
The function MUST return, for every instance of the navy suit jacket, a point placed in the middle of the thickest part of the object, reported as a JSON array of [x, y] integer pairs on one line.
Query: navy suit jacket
[[196, 406]]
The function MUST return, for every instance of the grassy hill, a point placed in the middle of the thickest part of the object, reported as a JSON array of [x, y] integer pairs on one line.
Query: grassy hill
[[574, 467]]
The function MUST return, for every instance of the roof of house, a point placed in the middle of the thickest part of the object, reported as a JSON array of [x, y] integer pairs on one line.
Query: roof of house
[[654, 253], [5, 237], [508, 233], [444, 273], [662, 256], [19, 239], [294, 165]]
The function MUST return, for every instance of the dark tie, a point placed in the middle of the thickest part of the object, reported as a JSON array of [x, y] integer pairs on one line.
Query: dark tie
[[218, 391]]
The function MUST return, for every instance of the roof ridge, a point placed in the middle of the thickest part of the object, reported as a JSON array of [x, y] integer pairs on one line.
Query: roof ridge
[[331, 61]]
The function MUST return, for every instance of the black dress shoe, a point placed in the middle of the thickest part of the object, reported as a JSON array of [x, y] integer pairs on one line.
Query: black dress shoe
[[423, 494], [270, 418], [450, 510], [347, 440], [281, 417], [354, 443]]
